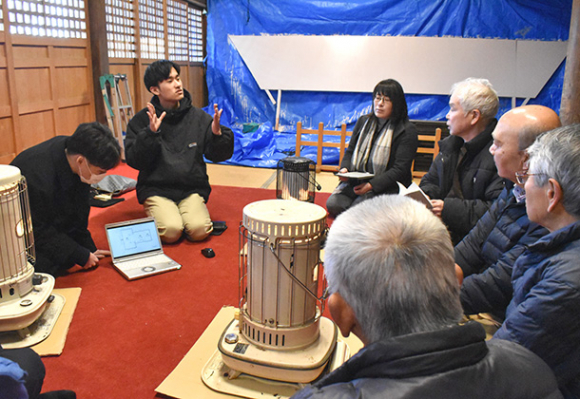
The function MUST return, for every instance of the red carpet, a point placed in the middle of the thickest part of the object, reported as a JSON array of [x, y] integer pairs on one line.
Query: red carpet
[[126, 337]]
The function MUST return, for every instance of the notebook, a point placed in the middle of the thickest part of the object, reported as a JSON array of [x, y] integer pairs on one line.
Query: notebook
[[136, 248]]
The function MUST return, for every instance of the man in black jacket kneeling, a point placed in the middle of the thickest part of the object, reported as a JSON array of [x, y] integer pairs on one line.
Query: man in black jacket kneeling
[[167, 142]]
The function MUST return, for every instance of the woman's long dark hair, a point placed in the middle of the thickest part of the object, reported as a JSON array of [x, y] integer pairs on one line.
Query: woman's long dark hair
[[393, 89]]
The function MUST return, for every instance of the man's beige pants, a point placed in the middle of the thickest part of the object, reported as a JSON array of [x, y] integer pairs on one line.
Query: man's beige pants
[[190, 215]]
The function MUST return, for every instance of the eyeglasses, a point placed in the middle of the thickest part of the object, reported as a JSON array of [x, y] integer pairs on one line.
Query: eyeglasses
[[522, 177], [325, 294], [379, 98]]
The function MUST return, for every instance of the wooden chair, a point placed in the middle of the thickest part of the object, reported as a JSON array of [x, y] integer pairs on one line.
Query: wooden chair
[[428, 144], [320, 144]]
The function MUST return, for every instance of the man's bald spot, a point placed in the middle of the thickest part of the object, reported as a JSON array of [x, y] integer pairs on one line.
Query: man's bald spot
[[530, 121]]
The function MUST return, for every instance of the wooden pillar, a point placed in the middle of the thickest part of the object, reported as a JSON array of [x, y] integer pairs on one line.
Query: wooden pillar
[[139, 69], [12, 111], [571, 91], [99, 53]]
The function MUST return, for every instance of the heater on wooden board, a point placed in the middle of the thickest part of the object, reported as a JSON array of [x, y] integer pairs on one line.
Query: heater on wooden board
[[24, 294], [279, 333]]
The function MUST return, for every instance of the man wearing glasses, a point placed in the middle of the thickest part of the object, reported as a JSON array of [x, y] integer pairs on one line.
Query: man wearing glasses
[[543, 314]]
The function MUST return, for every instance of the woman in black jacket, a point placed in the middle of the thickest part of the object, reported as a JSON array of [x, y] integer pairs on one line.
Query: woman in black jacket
[[383, 144]]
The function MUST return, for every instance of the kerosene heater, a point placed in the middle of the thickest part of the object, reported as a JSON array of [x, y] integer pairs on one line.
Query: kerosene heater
[[296, 179], [24, 294], [280, 333]]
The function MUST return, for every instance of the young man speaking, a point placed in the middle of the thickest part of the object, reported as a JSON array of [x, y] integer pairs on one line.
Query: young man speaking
[[166, 142]]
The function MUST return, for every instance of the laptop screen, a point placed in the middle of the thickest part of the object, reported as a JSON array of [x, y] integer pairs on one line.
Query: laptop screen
[[133, 238]]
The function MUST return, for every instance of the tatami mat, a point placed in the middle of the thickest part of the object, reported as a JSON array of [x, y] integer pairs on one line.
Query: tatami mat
[[243, 176]]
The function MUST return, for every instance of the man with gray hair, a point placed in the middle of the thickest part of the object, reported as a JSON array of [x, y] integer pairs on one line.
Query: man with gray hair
[[390, 269], [462, 182], [544, 311]]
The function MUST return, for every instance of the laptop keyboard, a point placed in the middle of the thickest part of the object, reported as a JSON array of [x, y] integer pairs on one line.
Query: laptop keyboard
[[147, 261]]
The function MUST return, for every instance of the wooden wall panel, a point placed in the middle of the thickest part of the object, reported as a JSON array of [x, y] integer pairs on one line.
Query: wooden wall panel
[[5, 108], [73, 86], [145, 94], [45, 88], [184, 74], [8, 146], [197, 87], [68, 118], [36, 127], [24, 54], [54, 91], [68, 53], [48, 79], [34, 89]]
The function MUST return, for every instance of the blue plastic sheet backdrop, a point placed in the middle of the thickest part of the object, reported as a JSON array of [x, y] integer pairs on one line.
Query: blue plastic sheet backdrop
[[251, 114]]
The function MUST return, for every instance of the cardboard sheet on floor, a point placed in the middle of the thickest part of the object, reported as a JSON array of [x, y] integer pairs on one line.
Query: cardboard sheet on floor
[[185, 382], [54, 344]]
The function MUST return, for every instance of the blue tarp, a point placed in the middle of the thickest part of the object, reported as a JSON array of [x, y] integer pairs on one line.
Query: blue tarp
[[232, 86]]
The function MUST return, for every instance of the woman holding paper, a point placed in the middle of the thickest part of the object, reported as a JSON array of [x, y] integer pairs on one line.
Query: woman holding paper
[[380, 152]]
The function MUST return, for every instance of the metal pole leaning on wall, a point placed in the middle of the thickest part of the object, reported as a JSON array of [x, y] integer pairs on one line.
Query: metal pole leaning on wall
[[277, 125], [571, 90]]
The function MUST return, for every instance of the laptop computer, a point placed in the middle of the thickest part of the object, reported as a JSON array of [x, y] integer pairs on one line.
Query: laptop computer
[[136, 248]]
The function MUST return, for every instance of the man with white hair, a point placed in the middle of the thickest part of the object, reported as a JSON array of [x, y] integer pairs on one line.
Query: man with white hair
[[462, 182], [390, 269], [544, 311]]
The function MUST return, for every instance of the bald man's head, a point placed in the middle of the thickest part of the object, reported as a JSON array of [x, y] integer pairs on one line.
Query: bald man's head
[[516, 130], [531, 121]]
